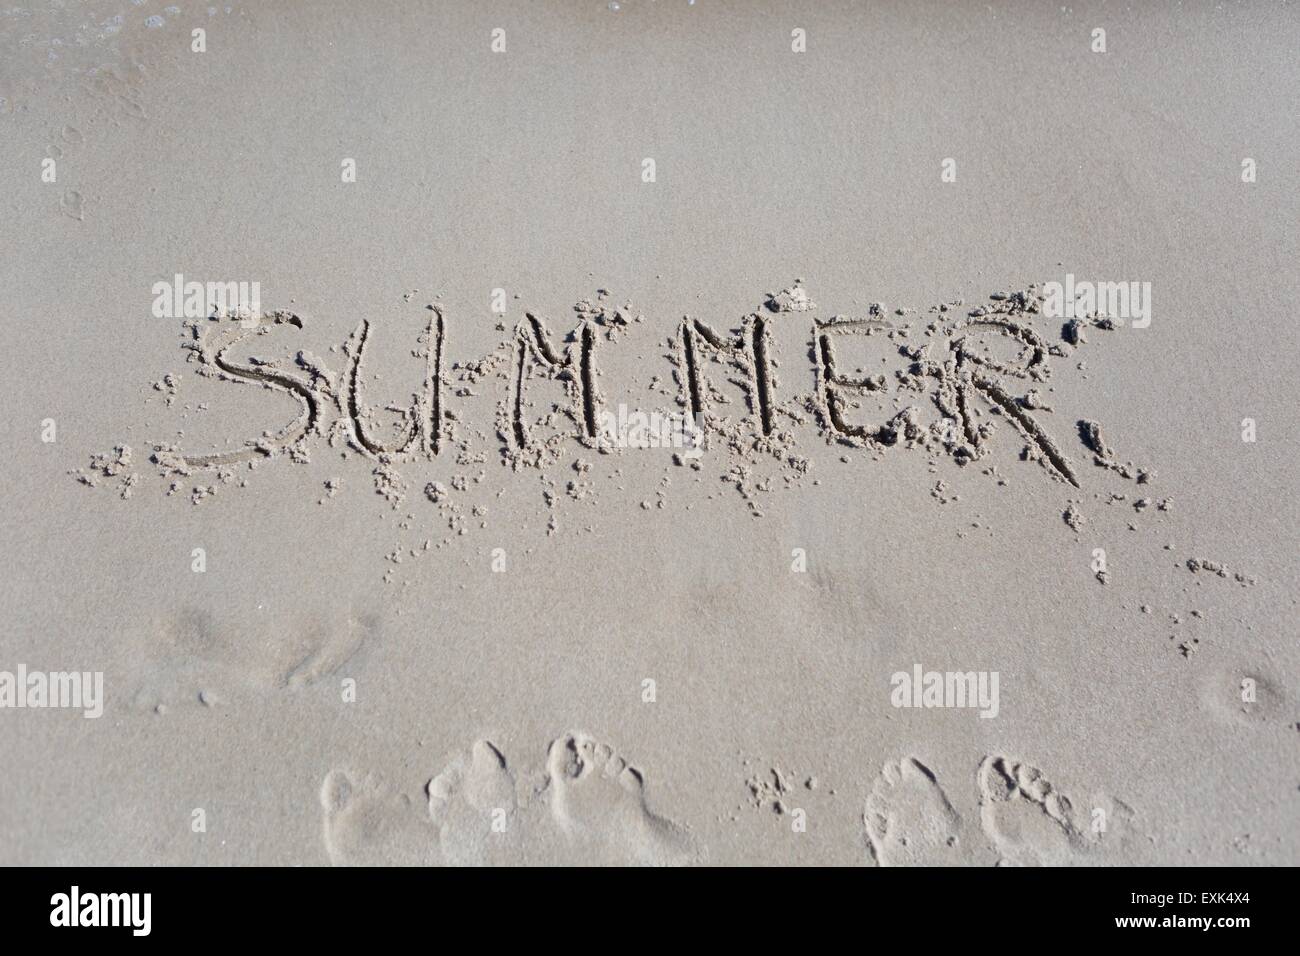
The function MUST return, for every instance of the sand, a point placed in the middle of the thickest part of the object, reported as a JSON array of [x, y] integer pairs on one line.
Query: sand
[[656, 438]]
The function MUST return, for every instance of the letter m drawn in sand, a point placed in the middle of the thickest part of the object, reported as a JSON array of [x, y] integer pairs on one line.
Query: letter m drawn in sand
[[748, 351], [576, 365]]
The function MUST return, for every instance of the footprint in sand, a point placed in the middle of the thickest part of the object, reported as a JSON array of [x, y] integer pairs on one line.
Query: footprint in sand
[[1244, 698], [587, 808], [249, 647], [598, 802], [366, 825], [909, 819], [1033, 824], [474, 805]]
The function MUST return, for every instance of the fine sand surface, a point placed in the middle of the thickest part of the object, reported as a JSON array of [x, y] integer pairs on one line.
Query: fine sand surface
[[367, 582]]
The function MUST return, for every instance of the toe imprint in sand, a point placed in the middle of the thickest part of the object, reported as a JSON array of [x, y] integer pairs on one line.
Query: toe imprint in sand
[[909, 819], [597, 799], [474, 805], [365, 825]]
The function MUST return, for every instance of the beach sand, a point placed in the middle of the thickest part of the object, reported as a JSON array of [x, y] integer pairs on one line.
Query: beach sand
[[515, 641]]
